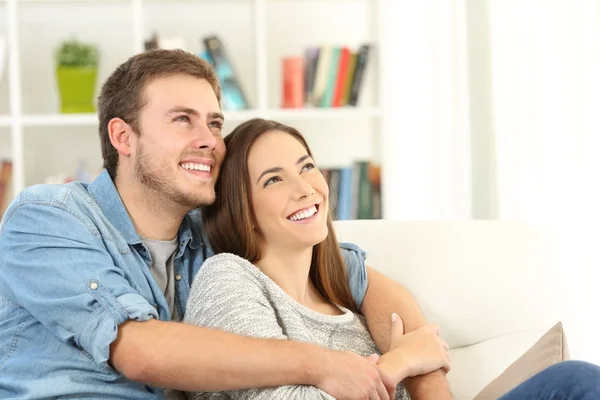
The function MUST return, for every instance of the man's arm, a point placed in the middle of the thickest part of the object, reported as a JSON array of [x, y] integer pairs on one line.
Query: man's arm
[[213, 351], [192, 358], [384, 297]]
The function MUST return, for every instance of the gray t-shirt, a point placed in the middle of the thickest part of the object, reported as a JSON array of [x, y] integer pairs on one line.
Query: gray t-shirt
[[231, 294], [162, 253]]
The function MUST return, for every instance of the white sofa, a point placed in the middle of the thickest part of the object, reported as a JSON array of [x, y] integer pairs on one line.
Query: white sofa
[[493, 287]]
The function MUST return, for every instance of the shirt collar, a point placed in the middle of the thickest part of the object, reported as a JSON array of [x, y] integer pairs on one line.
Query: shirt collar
[[104, 191], [191, 231]]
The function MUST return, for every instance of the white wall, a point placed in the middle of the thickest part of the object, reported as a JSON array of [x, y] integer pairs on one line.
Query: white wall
[[3, 66], [428, 112]]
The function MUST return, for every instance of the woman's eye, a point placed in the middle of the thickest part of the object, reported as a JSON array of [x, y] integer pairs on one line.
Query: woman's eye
[[308, 167], [272, 180], [182, 118]]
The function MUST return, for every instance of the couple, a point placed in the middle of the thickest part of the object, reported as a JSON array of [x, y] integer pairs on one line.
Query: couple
[[94, 278]]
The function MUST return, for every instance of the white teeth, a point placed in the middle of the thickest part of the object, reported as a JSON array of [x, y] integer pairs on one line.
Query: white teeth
[[307, 213], [197, 167]]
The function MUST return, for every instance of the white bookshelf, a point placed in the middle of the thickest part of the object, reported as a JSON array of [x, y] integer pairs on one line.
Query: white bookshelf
[[268, 39]]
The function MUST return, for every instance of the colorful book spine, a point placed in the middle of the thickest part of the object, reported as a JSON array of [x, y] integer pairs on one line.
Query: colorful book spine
[[293, 82], [349, 79], [345, 203], [232, 95], [331, 78], [359, 73], [311, 60], [322, 74], [340, 83]]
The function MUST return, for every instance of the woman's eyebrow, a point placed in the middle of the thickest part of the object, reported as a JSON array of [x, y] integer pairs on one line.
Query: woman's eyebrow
[[279, 169]]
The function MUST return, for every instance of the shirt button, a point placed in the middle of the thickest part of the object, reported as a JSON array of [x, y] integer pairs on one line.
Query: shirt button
[[93, 286], [177, 277]]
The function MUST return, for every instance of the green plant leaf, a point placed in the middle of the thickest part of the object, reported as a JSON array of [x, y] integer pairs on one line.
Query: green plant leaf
[[73, 53]]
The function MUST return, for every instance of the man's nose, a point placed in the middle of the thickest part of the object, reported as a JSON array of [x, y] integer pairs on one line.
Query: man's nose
[[204, 138]]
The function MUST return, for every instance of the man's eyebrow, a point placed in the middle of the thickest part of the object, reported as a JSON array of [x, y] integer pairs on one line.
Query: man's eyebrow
[[191, 111], [216, 115], [182, 109], [279, 169]]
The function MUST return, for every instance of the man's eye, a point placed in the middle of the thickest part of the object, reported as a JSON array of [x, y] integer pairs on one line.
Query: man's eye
[[182, 118], [217, 124], [272, 180]]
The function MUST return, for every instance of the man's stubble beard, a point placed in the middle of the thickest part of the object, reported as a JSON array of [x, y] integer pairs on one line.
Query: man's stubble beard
[[151, 176]]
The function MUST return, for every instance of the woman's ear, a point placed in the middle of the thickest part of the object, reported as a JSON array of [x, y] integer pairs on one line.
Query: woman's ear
[[120, 134]]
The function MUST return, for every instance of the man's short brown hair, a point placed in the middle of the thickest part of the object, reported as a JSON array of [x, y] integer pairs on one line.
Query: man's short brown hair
[[122, 95]]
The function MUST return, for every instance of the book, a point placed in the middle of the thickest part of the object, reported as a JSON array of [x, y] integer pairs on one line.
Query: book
[[359, 72], [364, 191], [321, 75], [311, 59], [349, 79], [292, 95], [232, 95], [331, 77], [340, 83]]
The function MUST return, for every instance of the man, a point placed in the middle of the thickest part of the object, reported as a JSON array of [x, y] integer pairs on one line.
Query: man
[[93, 277]]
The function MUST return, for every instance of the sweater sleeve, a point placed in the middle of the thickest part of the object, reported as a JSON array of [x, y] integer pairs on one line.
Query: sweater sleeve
[[229, 294]]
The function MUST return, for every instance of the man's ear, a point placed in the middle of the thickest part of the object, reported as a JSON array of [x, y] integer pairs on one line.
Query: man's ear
[[120, 134]]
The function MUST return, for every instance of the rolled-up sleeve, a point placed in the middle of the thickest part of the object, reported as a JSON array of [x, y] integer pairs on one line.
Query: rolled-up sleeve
[[55, 265], [355, 258]]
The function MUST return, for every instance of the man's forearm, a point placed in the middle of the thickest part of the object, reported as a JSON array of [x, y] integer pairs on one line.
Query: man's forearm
[[191, 358], [384, 297]]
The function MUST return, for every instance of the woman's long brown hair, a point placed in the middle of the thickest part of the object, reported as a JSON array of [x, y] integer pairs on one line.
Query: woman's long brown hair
[[229, 221]]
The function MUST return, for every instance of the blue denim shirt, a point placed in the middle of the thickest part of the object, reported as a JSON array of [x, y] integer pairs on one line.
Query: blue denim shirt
[[72, 268]]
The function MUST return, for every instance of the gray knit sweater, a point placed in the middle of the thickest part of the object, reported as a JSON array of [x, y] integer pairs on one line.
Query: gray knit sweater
[[231, 294]]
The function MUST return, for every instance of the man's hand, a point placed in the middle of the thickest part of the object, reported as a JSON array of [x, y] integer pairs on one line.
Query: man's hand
[[347, 375], [416, 353]]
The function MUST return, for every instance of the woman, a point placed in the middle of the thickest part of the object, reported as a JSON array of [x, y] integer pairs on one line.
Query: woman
[[279, 273]]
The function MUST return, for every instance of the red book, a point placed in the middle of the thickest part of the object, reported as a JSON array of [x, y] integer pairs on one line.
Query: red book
[[293, 82], [343, 68]]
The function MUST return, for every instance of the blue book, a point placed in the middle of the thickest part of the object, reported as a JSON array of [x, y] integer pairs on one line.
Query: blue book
[[232, 95], [345, 205]]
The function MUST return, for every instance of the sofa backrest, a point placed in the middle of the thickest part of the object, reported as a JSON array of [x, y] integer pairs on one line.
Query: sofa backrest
[[492, 286]]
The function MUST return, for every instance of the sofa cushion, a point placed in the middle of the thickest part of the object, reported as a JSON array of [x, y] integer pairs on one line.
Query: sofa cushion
[[476, 365], [550, 349]]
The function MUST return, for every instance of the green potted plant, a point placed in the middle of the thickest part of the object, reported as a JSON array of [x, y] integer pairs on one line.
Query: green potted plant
[[76, 70]]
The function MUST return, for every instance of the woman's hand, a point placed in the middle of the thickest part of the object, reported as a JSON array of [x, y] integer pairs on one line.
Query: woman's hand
[[417, 353]]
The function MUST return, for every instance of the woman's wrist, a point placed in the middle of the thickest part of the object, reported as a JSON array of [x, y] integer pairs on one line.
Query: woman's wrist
[[395, 366]]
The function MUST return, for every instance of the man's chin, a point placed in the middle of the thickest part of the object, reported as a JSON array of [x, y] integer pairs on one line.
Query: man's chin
[[203, 200]]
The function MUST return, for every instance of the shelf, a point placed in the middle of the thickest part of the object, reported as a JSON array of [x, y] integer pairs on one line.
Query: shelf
[[308, 113], [275, 114], [59, 119], [287, 114], [71, 1]]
